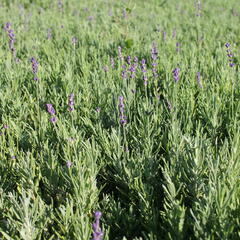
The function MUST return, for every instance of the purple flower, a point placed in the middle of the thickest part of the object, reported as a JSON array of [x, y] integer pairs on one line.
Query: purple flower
[[124, 72], [144, 71], [120, 56], [154, 51], [90, 18], [154, 59], [129, 60], [3, 127], [178, 47], [97, 233], [12, 39], [98, 109], [50, 109], [34, 68], [135, 59], [121, 106], [227, 45], [71, 102], [230, 55], [69, 164], [53, 119], [74, 40], [176, 72], [7, 26], [112, 62], [132, 70]]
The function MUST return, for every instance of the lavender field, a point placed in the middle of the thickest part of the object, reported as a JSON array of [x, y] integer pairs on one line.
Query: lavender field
[[119, 119]]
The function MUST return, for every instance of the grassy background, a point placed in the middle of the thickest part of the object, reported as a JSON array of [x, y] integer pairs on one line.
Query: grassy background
[[171, 172]]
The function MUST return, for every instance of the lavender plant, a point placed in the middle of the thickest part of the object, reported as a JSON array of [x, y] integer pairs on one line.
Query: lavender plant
[[34, 68], [154, 59], [230, 55], [122, 116], [12, 39], [176, 72], [71, 102], [97, 233], [52, 112], [144, 71], [161, 162]]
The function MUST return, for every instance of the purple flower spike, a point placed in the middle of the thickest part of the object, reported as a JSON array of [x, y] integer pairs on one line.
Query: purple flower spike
[[7, 26], [129, 60], [112, 62], [178, 49], [52, 112], [154, 60], [230, 55], [71, 102], [176, 72], [154, 51], [132, 70], [97, 233], [121, 106], [69, 164], [74, 40], [53, 119], [97, 215], [12, 39], [227, 45], [50, 109], [144, 71], [34, 68], [124, 72], [120, 56]]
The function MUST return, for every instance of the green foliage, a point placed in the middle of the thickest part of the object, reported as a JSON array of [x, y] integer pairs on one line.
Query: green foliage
[[171, 172]]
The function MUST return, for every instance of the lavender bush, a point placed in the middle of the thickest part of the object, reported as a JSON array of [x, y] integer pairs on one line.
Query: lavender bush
[[141, 121]]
